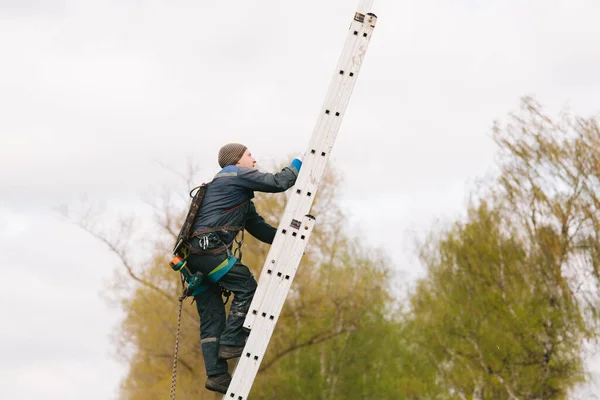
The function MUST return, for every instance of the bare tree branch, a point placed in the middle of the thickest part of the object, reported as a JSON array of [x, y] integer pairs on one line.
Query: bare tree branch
[[316, 339]]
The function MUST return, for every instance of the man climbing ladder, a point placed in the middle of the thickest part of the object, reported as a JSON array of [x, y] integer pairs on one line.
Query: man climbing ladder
[[202, 239], [223, 209]]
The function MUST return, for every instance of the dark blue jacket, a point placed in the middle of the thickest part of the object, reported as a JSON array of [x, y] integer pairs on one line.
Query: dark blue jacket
[[228, 201]]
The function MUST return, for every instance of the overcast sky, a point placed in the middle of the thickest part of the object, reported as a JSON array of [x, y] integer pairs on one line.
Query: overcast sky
[[95, 95]]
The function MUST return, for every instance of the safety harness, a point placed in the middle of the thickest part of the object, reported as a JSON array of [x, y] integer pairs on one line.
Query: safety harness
[[196, 282]]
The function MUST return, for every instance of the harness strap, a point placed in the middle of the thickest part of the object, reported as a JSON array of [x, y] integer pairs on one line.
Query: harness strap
[[235, 207], [211, 252], [227, 247], [216, 229], [220, 270]]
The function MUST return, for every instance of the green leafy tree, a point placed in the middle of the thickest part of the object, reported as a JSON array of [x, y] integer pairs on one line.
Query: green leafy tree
[[492, 324], [510, 293]]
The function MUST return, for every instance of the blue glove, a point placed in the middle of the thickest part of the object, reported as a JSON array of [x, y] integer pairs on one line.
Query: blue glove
[[297, 163]]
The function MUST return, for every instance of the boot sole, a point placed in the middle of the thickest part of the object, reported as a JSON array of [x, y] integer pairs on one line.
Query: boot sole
[[218, 389], [229, 356]]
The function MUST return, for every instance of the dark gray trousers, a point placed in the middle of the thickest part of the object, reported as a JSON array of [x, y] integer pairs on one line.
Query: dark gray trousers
[[214, 330]]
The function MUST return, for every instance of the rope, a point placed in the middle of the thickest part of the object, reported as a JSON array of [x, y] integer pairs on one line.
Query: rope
[[176, 356]]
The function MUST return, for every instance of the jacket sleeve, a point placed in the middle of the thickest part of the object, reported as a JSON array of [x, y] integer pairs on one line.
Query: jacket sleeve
[[258, 227], [265, 182]]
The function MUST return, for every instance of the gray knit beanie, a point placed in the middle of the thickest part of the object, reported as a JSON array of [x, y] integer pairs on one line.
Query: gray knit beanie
[[230, 154]]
